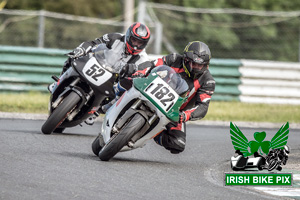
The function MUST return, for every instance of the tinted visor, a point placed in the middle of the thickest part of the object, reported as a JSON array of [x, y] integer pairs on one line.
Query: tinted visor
[[200, 59], [135, 42]]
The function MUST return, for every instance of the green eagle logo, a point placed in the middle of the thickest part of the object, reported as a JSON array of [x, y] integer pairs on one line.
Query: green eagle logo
[[240, 142]]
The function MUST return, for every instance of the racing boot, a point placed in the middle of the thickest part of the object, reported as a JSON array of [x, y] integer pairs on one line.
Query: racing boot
[[119, 90], [105, 107], [174, 140], [279, 168]]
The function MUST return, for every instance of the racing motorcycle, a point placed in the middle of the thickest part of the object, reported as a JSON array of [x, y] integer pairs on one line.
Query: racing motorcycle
[[276, 158], [80, 91], [141, 113]]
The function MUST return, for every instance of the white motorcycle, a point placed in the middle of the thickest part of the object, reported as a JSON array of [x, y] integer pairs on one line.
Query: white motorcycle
[[141, 113]]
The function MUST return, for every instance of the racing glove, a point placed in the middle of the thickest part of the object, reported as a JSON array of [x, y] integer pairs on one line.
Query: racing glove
[[141, 73], [76, 53], [182, 117]]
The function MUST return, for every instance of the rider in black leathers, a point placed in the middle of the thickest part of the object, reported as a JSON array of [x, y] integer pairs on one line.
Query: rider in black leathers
[[280, 155], [193, 66]]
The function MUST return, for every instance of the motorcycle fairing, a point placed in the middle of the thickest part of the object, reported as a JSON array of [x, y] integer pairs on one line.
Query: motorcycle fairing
[[172, 112]]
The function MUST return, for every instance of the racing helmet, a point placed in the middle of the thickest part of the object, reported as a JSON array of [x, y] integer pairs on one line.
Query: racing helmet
[[196, 53], [136, 38], [286, 149]]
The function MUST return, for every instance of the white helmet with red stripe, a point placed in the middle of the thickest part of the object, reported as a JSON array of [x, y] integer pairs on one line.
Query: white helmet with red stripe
[[136, 38]]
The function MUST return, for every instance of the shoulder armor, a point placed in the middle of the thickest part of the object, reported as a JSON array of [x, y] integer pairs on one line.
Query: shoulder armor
[[173, 58]]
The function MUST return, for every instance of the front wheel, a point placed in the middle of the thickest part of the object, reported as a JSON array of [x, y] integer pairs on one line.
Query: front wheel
[[272, 165], [97, 144], [61, 113], [119, 140]]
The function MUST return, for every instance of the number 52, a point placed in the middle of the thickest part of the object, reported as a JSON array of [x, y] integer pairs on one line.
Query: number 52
[[95, 71]]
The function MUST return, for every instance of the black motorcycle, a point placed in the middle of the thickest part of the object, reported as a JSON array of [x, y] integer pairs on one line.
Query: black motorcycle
[[276, 158], [79, 91]]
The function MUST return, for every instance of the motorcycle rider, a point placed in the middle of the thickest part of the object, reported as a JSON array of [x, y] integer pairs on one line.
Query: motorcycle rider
[[129, 47], [193, 66], [281, 155]]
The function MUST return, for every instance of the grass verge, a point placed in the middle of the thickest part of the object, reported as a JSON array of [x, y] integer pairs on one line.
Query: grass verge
[[221, 111], [252, 112], [32, 102]]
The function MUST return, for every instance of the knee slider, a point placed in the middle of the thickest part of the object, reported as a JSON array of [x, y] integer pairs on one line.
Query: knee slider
[[175, 143]]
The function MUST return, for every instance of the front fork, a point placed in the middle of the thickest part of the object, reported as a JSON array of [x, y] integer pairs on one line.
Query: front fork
[[61, 96], [77, 110], [121, 122]]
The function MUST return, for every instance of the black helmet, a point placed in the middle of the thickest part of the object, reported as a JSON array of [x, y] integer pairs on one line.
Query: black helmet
[[196, 52], [136, 38]]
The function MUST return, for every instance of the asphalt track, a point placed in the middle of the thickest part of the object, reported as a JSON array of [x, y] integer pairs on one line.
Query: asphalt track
[[62, 166]]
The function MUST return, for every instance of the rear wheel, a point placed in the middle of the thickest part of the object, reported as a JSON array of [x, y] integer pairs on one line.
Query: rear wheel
[[60, 113], [118, 141]]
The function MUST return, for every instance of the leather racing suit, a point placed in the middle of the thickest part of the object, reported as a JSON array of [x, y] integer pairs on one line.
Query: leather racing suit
[[195, 108], [116, 43]]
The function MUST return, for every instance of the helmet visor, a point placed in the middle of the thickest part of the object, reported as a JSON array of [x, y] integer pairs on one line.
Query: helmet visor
[[197, 69], [135, 42], [195, 58]]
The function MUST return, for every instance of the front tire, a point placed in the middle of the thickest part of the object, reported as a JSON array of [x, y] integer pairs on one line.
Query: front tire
[[273, 165], [60, 113], [118, 141], [98, 144]]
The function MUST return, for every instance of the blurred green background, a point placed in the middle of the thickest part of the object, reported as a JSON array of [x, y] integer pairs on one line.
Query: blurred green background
[[256, 29]]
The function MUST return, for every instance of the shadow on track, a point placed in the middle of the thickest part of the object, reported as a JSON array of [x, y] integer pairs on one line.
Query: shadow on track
[[115, 160]]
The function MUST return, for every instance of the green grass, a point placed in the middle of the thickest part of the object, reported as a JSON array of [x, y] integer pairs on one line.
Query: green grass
[[237, 111], [223, 111], [24, 102]]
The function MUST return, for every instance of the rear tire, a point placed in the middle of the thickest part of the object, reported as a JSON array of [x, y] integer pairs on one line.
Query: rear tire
[[117, 142], [60, 113]]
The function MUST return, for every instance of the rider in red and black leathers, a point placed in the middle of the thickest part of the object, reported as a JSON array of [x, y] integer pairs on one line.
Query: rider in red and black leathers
[[193, 67]]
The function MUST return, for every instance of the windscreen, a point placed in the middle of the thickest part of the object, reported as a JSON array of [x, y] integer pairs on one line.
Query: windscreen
[[108, 59], [173, 79]]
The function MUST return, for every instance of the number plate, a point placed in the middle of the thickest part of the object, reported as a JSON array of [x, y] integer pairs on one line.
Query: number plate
[[95, 73], [162, 94]]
